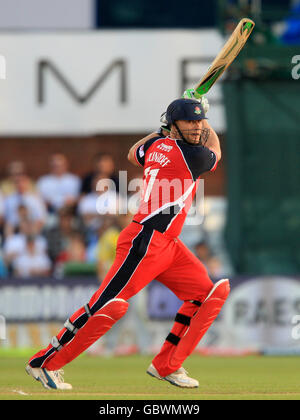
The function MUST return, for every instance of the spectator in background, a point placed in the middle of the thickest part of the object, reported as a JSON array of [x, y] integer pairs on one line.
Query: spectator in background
[[58, 236], [105, 249], [108, 237], [59, 188], [75, 251], [103, 167], [31, 263], [65, 241], [15, 244], [87, 208], [15, 170], [20, 201], [92, 208], [211, 262]]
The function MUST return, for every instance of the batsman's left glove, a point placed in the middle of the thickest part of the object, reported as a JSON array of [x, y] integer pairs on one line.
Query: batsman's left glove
[[190, 94]]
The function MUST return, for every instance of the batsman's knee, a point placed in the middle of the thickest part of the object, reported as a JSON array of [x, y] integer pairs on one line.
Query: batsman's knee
[[109, 314], [220, 290], [114, 309]]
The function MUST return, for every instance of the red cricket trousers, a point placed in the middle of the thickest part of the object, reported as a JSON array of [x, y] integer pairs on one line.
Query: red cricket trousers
[[143, 255]]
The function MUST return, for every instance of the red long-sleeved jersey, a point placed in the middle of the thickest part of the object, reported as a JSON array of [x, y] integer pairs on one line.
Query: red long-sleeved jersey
[[172, 169]]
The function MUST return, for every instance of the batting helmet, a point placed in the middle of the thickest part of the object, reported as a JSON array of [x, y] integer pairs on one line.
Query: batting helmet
[[185, 109]]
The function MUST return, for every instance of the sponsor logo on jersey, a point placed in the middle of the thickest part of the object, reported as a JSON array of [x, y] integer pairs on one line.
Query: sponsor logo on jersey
[[164, 147]]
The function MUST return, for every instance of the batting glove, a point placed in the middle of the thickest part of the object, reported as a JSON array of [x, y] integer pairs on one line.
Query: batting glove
[[190, 94]]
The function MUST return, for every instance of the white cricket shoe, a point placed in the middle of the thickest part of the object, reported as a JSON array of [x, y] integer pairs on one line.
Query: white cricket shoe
[[50, 379], [178, 378]]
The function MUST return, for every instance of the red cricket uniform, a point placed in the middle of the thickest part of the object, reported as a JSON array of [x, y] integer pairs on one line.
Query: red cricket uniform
[[149, 247]]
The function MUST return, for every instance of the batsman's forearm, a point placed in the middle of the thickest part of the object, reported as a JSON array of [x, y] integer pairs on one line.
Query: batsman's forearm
[[213, 142], [142, 141], [139, 143]]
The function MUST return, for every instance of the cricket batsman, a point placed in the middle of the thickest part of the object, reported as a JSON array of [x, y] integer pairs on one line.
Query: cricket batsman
[[149, 248]]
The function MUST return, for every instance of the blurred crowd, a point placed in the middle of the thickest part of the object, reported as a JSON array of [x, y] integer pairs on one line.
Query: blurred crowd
[[61, 223], [56, 219]]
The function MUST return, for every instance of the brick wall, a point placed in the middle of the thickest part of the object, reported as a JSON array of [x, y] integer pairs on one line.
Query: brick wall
[[35, 153]]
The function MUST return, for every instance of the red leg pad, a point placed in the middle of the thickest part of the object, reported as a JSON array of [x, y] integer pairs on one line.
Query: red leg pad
[[96, 327], [200, 323]]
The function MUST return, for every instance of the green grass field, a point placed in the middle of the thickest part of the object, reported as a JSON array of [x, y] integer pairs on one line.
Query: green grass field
[[124, 378]]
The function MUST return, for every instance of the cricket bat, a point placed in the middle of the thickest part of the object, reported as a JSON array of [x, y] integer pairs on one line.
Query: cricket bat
[[225, 57]]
